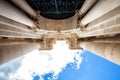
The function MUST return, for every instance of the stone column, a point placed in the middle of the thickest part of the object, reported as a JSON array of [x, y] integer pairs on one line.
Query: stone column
[[108, 24], [109, 51], [86, 6], [108, 40], [9, 52], [12, 12], [25, 6], [102, 7], [11, 28]]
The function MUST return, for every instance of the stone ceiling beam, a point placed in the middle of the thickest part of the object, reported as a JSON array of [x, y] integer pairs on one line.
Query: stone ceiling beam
[[14, 23], [15, 34], [7, 26], [15, 41], [109, 26], [108, 39]]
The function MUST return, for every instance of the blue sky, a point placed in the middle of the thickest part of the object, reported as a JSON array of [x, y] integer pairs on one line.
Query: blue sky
[[95, 68], [60, 64]]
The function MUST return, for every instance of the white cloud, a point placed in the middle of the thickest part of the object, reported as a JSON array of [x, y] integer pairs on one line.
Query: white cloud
[[9, 68], [43, 62]]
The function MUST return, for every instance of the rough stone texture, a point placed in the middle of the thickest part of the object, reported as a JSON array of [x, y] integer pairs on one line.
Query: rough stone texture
[[9, 52]]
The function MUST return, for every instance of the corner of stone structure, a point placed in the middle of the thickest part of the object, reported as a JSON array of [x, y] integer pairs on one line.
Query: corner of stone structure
[[47, 43]]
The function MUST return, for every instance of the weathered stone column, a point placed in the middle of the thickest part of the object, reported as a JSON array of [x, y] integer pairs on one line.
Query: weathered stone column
[[102, 7], [108, 24], [9, 52], [7, 30], [10, 11], [87, 4], [25, 6], [14, 41], [109, 51], [108, 40]]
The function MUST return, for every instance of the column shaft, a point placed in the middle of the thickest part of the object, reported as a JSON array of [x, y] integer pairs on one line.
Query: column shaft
[[109, 51], [14, 23], [15, 34], [25, 6], [87, 4], [14, 41], [107, 40], [108, 24], [9, 52], [10, 11], [102, 7], [111, 14]]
